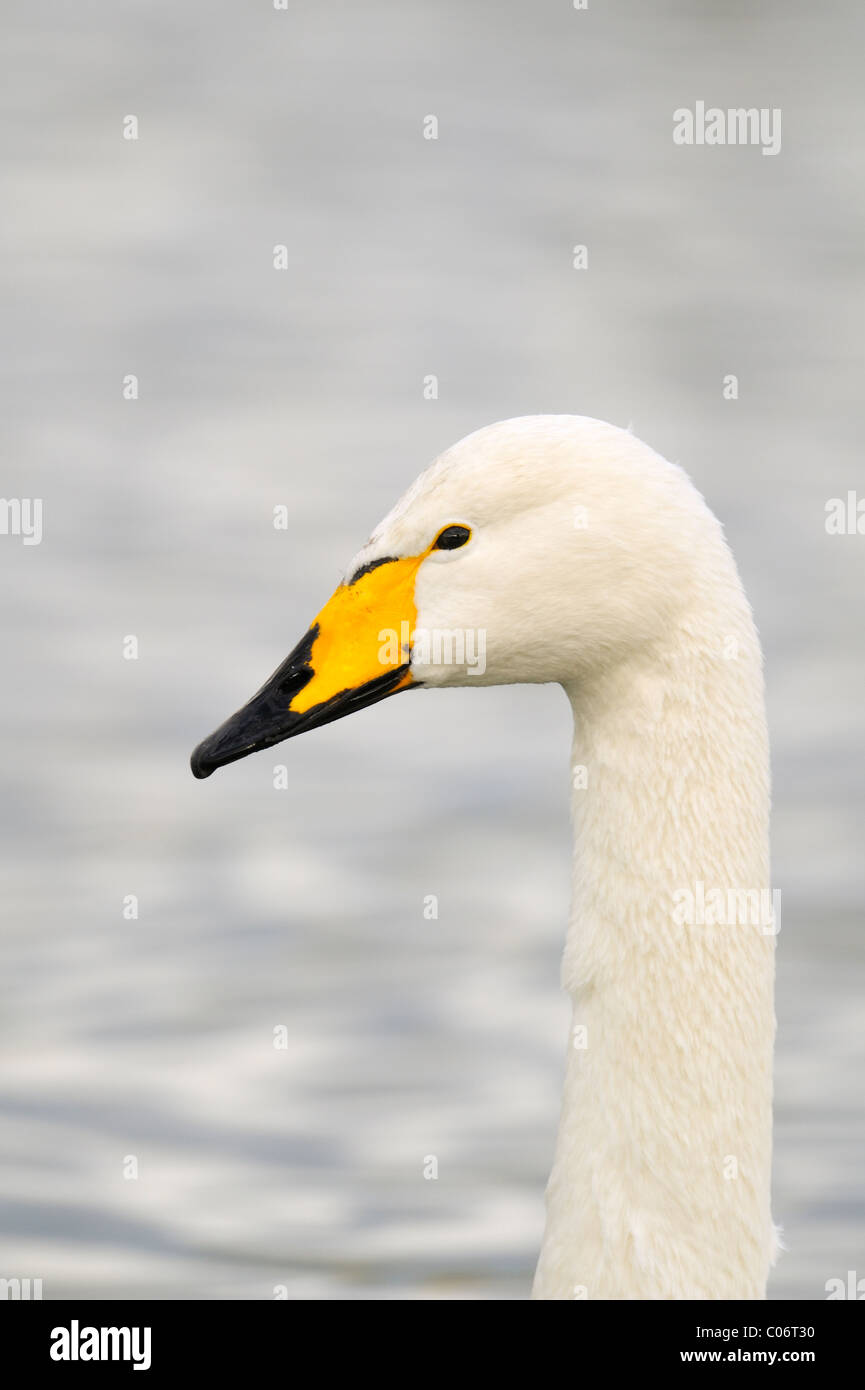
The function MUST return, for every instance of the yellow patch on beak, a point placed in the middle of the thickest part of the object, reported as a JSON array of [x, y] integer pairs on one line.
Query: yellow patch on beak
[[355, 653], [363, 632]]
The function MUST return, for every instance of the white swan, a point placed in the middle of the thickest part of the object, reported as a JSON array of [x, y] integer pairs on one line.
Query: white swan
[[587, 559]]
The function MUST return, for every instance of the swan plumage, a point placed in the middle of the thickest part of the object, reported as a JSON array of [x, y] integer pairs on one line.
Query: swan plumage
[[592, 562]]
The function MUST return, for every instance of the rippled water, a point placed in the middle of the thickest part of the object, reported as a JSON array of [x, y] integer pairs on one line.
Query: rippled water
[[303, 909]]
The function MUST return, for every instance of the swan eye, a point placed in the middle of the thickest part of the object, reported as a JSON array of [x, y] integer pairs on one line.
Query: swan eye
[[452, 537]]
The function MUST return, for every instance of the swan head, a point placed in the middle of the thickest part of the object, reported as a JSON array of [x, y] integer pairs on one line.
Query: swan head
[[535, 550]]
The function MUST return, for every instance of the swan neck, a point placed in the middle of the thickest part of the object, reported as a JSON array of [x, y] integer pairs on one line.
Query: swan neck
[[660, 1186]]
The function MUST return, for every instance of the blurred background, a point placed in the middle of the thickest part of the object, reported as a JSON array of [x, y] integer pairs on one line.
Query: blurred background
[[302, 909]]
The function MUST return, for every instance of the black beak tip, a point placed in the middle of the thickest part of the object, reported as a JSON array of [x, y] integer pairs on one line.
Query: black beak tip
[[268, 718], [200, 763]]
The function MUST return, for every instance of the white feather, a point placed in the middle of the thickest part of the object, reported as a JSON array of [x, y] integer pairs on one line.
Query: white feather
[[595, 563]]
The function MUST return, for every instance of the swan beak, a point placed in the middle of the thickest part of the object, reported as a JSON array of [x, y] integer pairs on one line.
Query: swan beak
[[356, 653]]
